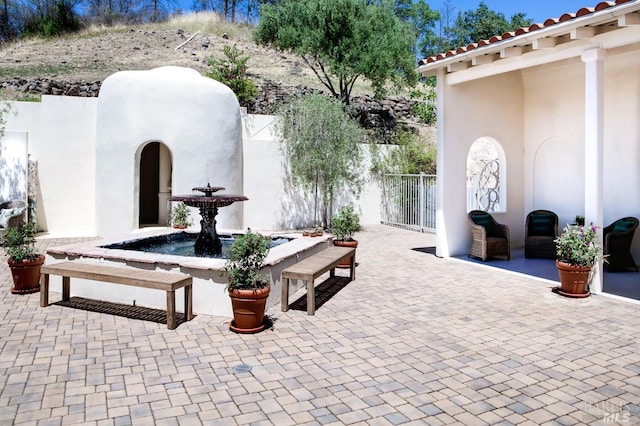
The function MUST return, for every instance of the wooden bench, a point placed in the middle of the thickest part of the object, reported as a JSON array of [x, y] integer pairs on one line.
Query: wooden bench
[[311, 268], [167, 281]]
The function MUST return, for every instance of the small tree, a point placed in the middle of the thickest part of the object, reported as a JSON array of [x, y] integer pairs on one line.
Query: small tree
[[321, 143], [342, 40], [232, 71]]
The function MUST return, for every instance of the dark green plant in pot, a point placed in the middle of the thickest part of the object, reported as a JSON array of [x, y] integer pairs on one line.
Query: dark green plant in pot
[[246, 256], [345, 223], [19, 243]]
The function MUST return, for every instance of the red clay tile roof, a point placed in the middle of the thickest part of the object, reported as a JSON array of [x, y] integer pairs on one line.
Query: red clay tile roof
[[534, 27]]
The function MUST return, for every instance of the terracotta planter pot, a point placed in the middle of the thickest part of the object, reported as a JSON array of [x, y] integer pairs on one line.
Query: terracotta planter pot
[[248, 309], [340, 243], [26, 275], [574, 280]]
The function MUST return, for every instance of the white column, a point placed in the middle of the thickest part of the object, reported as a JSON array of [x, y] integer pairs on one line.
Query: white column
[[593, 146], [442, 244]]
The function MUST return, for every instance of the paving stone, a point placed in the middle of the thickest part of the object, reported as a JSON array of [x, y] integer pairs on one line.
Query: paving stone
[[497, 354]]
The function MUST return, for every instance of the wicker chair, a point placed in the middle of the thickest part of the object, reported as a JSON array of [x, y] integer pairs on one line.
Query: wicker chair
[[541, 229], [490, 238], [617, 244], [12, 215]]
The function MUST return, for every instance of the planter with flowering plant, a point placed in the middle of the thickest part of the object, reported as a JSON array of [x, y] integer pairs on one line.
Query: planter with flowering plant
[[578, 250]]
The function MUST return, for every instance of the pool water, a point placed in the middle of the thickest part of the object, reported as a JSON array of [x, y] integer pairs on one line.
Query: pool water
[[180, 244]]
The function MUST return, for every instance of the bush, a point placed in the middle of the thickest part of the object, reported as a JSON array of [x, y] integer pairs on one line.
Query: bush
[[246, 255], [415, 154], [345, 223], [232, 71], [425, 108], [58, 19]]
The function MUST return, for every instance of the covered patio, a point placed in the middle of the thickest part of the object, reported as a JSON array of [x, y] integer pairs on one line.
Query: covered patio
[[623, 284], [558, 102]]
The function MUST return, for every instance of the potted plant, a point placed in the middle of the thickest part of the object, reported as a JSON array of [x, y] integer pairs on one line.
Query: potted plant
[[180, 216], [578, 220], [248, 288], [578, 249], [344, 224], [23, 260]]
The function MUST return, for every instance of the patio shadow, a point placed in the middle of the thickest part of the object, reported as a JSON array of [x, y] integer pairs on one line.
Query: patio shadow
[[324, 291], [121, 310]]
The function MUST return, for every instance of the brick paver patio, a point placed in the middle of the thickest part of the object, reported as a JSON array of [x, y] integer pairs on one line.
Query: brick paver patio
[[414, 340]]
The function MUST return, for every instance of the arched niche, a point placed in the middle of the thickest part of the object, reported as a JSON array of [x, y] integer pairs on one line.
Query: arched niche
[[153, 174], [486, 176]]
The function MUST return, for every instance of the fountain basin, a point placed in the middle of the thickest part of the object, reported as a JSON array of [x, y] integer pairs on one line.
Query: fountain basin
[[209, 282], [181, 244]]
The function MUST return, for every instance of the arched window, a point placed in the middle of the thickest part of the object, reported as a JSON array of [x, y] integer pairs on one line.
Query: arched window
[[486, 176]]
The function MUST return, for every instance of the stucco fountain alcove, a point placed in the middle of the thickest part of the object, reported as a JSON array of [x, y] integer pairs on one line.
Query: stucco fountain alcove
[[195, 119], [193, 124]]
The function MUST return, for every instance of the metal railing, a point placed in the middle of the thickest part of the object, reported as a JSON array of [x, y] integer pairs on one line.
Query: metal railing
[[409, 201]]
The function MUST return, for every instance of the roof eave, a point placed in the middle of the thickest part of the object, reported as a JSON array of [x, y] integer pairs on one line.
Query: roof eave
[[556, 30]]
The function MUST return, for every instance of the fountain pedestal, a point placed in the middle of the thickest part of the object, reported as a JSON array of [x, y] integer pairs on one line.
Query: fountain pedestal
[[208, 243]]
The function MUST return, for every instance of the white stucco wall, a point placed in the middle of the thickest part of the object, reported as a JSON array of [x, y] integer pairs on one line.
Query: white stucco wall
[[554, 165], [492, 108], [87, 147], [274, 203], [554, 143], [61, 138]]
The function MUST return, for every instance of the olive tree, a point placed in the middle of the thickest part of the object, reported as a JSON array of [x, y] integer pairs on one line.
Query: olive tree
[[342, 40], [322, 146]]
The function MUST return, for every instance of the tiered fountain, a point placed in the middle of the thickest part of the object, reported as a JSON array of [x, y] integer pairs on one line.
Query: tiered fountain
[[208, 243]]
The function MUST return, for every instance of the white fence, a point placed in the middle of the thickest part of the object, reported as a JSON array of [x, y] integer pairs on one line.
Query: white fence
[[409, 201]]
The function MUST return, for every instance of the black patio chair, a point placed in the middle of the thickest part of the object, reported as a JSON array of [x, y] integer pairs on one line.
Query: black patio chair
[[617, 244], [541, 229]]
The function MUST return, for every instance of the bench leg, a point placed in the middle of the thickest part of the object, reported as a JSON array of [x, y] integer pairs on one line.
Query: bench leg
[[44, 290], [311, 298], [284, 300], [66, 288], [188, 303], [171, 310], [352, 266]]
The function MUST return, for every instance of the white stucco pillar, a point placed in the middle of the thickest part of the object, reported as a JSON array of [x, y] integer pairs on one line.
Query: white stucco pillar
[[593, 146], [442, 245]]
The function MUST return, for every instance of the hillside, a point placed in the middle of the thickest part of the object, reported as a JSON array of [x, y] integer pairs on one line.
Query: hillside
[[99, 52], [31, 67]]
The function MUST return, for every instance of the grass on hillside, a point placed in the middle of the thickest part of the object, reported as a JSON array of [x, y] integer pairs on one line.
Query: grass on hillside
[[205, 22]]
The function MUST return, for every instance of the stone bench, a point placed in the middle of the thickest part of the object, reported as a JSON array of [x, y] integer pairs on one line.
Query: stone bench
[[167, 281], [311, 268]]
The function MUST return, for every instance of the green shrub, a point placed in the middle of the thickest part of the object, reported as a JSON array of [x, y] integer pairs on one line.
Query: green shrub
[[232, 71], [425, 108], [413, 154], [58, 19], [246, 255]]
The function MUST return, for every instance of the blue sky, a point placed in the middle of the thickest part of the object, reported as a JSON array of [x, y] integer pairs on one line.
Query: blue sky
[[537, 10]]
